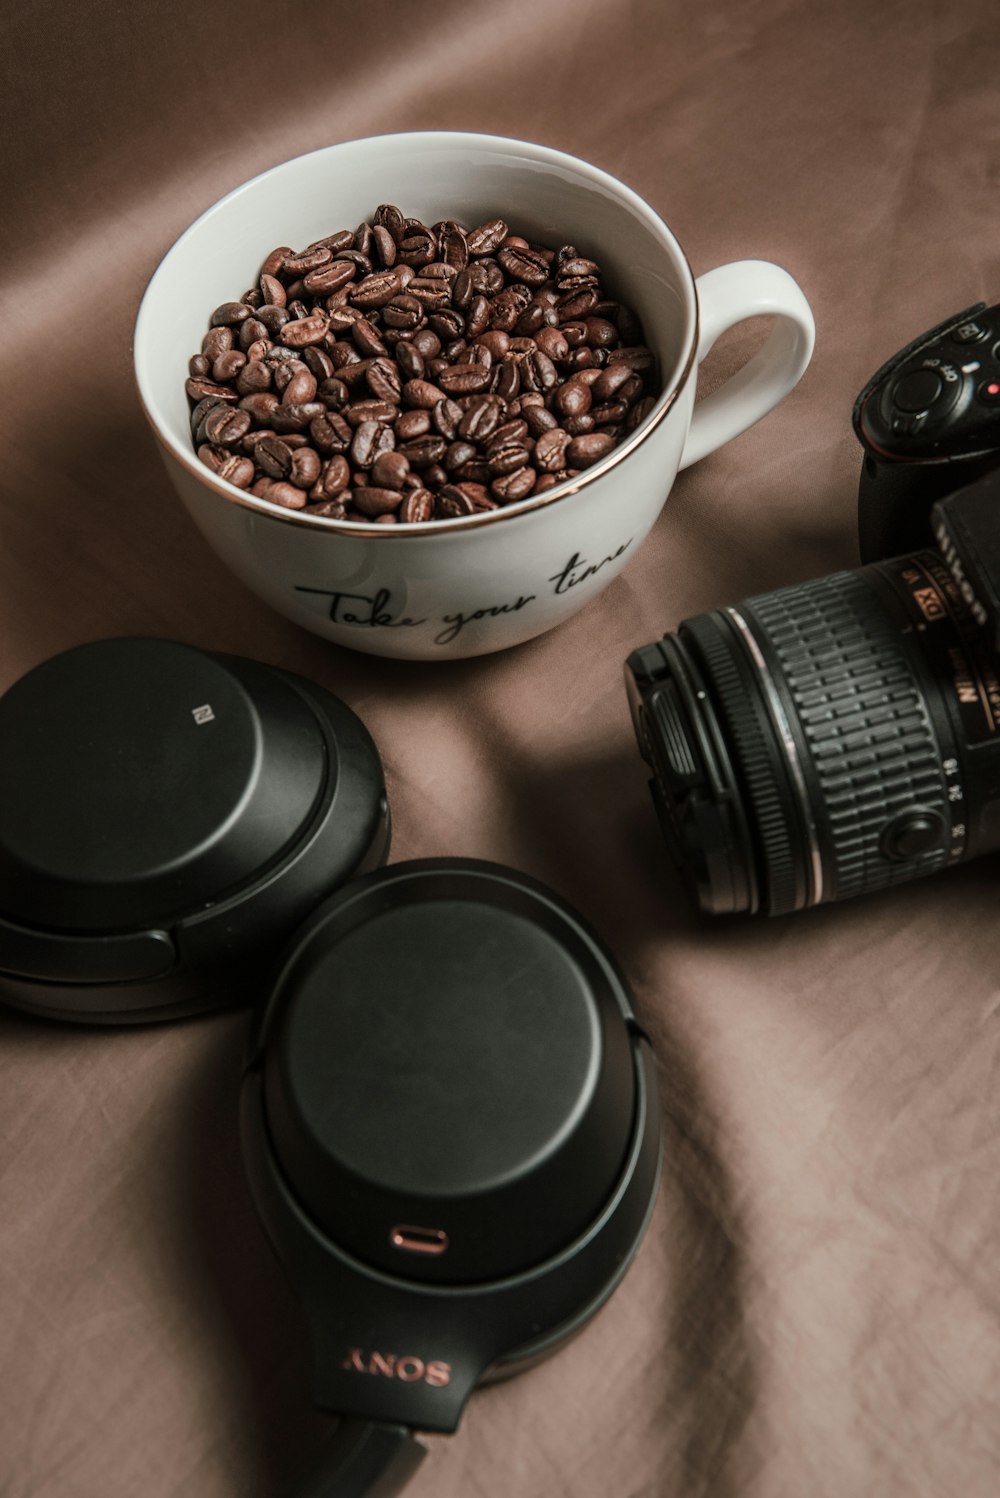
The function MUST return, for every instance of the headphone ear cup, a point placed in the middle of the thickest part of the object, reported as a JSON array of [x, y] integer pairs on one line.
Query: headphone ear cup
[[176, 815], [451, 1132]]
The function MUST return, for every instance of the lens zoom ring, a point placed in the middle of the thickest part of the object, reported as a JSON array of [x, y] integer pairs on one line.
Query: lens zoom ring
[[757, 759], [861, 708]]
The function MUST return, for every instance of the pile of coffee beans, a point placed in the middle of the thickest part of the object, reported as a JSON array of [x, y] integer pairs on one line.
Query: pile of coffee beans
[[402, 372]]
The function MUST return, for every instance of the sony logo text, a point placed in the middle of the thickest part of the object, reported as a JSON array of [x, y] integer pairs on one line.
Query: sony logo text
[[409, 1370]]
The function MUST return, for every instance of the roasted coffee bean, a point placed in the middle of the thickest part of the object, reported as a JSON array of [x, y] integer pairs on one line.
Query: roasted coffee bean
[[510, 487], [300, 333], [578, 425], [217, 341], [479, 494], [342, 319], [523, 265], [639, 412], [578, 266], [480, 420], [329, 509], [609, 413], [372, 501], [273, 318], [609, 383], [333, 393], [363, 452], [274, 457], [427, 343], [301, 387], [453, 502], [538, 372], [431, 295], [198, 387], [638, 359], [477, 316], [366, 338], [289, 496], [417, 507], [199, 366], [330, 278], [383, 380], [601, 333], [296, 417], [275, 261], [403, 311], [389, 216], [375, 290], [445, 418], [447, 322], [206, 404], [227, 465], [410, 361], [318, 361], [284, 372], [251, 332], [352, 368], [418, 248], [572, 399], [475, 472], [576, 305], [382, 246], [539, 420], [579, 359], [462, 289], [550, 450], [422, 451], [224, 426], [412, 424], [552, 341], [380, 411], [583, 451], [305, 467], [458, 453], [505, 379], [487, 238], [333, 479], [309, 260], [464, 379], [230, 313], [422, 393], [390, 470], [272, 291], [260, 404], [506, 455]]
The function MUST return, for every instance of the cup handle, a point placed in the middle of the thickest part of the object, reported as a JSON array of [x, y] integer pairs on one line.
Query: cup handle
[[728, 295]]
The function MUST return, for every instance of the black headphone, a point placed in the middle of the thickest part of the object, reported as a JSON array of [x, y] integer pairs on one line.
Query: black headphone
[[449, 1112]]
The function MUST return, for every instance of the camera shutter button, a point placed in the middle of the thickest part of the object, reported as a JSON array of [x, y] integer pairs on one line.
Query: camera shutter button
[[919, 830], [917, 391]]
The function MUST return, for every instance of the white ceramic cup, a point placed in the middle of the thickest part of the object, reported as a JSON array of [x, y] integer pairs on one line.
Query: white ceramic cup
[[445, 589]]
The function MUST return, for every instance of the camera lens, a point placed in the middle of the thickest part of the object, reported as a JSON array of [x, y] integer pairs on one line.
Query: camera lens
[[823, 740]]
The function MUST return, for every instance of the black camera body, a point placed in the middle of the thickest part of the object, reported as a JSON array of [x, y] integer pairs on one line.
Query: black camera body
[[929, 423], [843, 735]]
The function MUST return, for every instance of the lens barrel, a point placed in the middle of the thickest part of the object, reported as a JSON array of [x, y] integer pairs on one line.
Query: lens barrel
[[823, 740]]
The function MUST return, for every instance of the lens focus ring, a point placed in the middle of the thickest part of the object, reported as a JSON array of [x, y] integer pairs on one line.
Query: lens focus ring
[[833, 647], [762, 771]]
